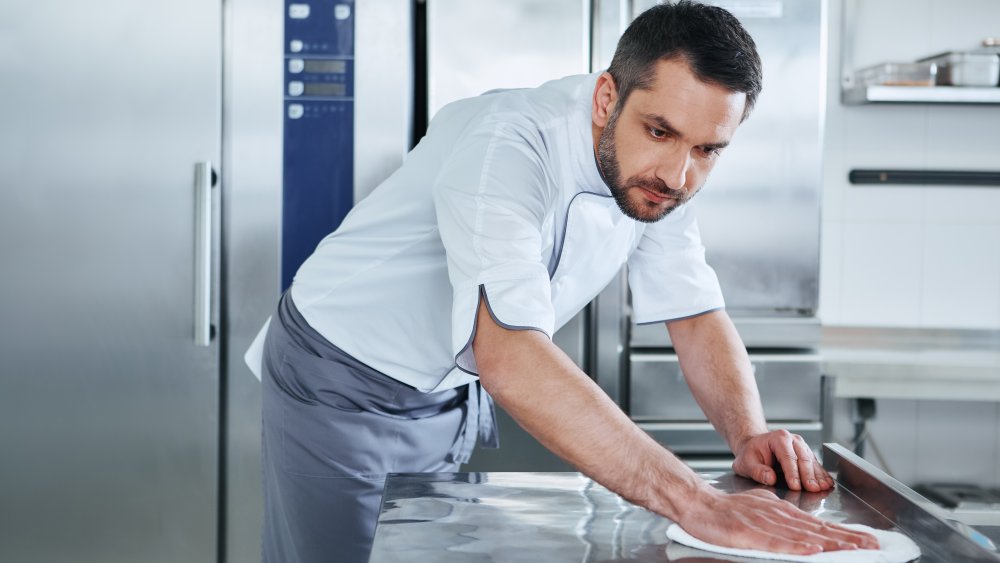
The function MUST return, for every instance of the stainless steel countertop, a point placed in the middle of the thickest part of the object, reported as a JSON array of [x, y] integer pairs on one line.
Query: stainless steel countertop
[[515, 517]]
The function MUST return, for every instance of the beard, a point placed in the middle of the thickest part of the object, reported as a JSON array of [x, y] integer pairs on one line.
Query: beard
[[641, 209]]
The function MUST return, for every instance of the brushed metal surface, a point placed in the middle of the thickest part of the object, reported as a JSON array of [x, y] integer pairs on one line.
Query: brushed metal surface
[[109, 411], [383, 90], [473, 47], [515, 517], [755, 332], [760, 210], [611, 339], [251, 191], [789, 386], [692, 440]]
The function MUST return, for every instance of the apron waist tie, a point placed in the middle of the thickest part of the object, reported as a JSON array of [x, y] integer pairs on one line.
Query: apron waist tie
[[480, 421]]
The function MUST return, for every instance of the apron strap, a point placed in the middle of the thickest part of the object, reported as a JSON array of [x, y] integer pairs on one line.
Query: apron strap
[[480, 421]]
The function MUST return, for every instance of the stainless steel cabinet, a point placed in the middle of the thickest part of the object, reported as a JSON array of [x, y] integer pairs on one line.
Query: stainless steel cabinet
[[789, 386], [109, 409]]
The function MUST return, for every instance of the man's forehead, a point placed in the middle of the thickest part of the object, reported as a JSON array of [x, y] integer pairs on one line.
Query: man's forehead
[[702, 127], [691, 106]]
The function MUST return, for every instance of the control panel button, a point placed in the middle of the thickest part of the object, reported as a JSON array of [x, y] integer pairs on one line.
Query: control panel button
[[295, 88], [298, 11], [295, 111], [295, 66], [295, 45], [342, 11]]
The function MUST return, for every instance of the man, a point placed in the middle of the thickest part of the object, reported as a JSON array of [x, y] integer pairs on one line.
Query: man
[[512, 213]]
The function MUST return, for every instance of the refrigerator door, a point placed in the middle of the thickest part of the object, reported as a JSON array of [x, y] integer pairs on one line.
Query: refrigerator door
[[110, 408]]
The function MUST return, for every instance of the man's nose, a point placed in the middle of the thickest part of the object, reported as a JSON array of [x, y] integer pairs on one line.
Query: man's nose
[[673, 169]]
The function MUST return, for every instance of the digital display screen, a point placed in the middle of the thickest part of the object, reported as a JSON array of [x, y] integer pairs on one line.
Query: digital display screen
[[325, 67], [324, 89]]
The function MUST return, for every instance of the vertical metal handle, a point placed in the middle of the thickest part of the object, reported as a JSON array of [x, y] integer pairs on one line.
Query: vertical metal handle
[[202, 253]]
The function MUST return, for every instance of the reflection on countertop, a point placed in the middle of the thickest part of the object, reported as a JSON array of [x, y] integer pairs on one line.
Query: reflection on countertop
[[515, 517]]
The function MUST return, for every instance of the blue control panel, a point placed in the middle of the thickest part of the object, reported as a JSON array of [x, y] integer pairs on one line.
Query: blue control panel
[[318, 178]]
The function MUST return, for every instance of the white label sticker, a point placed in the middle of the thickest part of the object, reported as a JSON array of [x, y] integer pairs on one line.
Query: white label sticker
[[295, 111], [295, 88], [298, 11], [295, 46], [295, 66], [342, 11]]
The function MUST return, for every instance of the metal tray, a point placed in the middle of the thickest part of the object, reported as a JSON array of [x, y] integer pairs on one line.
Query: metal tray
[[966, 69]]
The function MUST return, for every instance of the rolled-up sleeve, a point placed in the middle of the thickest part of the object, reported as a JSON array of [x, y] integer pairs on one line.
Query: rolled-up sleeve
[[491, 199], [668, 275]]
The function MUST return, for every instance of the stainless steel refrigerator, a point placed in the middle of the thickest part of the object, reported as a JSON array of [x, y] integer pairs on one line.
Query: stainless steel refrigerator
[[110, 129], [140, 162]]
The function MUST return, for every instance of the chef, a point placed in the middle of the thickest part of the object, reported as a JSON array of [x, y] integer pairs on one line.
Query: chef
[[441, 290]]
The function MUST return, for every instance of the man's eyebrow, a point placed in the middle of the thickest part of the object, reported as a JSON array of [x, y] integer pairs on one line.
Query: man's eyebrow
[[662, 123]]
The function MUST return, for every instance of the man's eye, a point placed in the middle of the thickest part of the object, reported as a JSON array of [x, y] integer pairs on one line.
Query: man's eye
[[708, 151], [657, 133]]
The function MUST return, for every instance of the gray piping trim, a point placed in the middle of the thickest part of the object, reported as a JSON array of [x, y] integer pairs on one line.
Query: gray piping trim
[[472, 336], [484, 297], [562, 239], [475, 323], [683, 318]]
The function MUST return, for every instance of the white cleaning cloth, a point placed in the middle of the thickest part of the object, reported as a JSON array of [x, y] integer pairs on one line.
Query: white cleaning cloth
[[893, 548]]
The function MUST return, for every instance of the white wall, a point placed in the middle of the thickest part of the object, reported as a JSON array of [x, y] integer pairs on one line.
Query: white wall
[[922, 256]]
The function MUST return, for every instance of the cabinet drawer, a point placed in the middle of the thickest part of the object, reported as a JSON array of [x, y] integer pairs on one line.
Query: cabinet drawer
[[701, 439], [789, 387]]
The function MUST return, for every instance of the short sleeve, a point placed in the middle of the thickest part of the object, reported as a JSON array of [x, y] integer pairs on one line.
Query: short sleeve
[[491, 199], [668, 275]]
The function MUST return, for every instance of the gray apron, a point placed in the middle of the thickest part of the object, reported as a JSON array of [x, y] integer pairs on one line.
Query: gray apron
[[333, 428]]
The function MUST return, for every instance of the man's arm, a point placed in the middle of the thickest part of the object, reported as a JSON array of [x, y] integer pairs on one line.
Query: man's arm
[[569, 414], [717, 369]]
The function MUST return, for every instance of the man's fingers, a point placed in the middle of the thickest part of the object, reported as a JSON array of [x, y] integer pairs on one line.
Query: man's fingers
[[783, 544], [756, 519], [814, 535], [807, 461], [784, 451], [762, 474], [825, 481], [863, 540], [834, 532]]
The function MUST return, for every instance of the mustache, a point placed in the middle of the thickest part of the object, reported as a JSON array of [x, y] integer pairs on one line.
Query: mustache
[[657, 186]]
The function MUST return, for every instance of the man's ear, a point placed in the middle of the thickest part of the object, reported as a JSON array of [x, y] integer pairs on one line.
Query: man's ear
[[605, 98]]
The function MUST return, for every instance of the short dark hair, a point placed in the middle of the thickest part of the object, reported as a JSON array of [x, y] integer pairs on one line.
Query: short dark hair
[[711, 40]]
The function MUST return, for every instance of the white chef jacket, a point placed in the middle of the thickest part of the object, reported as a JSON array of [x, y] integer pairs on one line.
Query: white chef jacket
[[502, 198]]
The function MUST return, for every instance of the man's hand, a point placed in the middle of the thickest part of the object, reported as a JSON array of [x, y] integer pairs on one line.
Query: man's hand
[[756, 458], [758, 520]]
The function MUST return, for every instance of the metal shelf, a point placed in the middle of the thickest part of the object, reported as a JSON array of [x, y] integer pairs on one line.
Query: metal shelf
[[921, 95]]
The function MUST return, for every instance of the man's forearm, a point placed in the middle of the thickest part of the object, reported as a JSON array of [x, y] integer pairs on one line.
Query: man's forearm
[[718, 371], [569, 414]]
